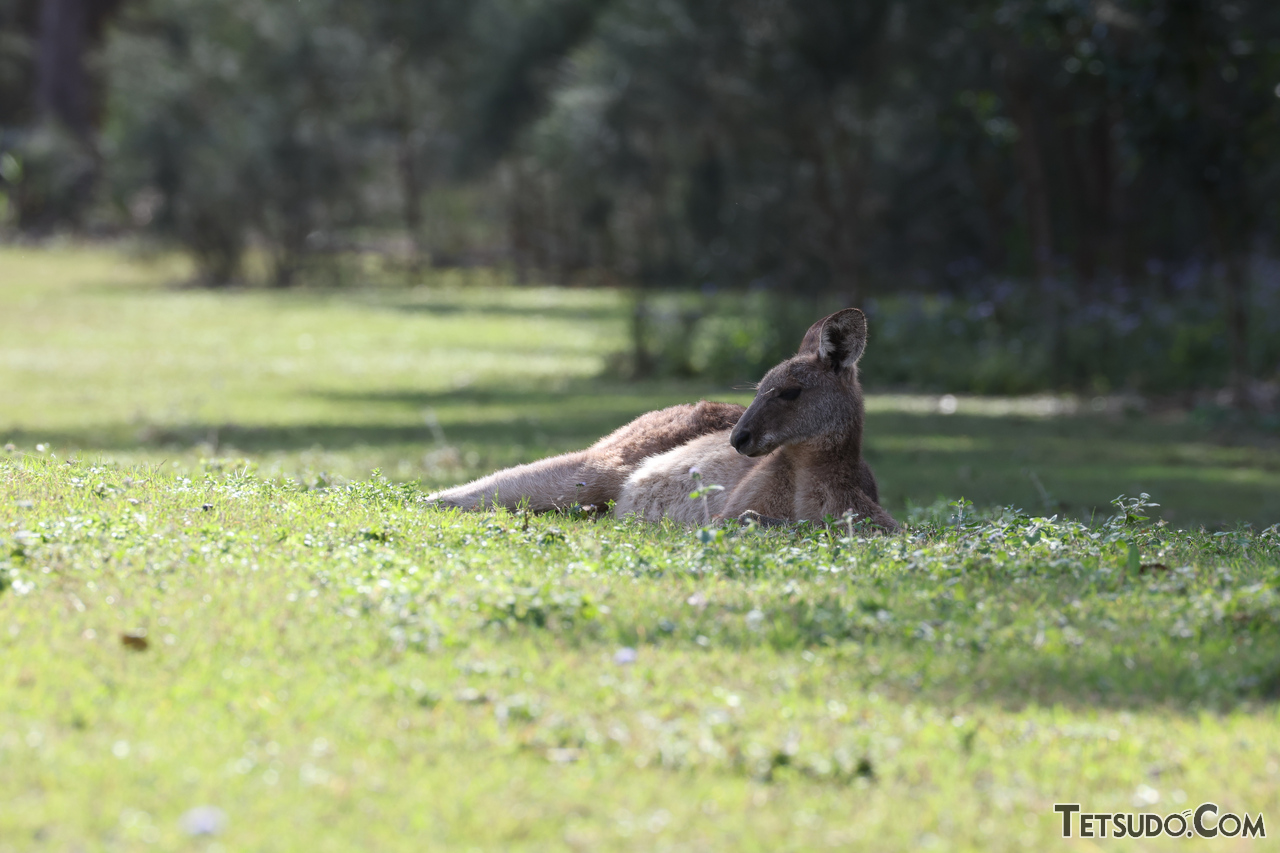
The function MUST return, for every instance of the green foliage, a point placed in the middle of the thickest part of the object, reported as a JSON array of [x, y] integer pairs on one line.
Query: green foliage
[[993, 340], [45, 176], [296, 125], [231, 120], [821, 145]]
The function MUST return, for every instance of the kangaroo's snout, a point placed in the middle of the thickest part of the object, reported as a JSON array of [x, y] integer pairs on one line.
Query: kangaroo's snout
[[747, 442]]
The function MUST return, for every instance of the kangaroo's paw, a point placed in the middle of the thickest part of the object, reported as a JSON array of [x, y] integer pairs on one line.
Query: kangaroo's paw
[[874, 523], [449, 500], [751, 517]]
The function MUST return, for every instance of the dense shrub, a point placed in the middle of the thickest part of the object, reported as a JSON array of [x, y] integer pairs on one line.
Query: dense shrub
[[232, 123], [45, 175], [994, 338]]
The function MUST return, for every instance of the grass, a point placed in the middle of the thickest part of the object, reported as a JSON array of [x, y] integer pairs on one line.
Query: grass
[[208, 600]]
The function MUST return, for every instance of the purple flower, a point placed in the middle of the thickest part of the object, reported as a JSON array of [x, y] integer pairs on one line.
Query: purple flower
[[204, 820], [624, 655]]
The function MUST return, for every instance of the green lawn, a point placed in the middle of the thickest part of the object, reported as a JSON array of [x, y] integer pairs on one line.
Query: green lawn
[[334, 666]]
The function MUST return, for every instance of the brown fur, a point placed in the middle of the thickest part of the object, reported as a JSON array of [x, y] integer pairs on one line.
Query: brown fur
[[794, 454], [593, 476], [786, 459]]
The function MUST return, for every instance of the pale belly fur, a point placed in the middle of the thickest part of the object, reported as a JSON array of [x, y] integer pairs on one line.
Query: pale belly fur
[[660, 487]]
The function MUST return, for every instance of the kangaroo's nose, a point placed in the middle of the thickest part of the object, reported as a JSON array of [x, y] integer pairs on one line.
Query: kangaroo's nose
[[740, 438]]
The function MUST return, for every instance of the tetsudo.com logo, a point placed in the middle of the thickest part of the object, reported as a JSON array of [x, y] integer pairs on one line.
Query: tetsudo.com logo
[[1204, 822]]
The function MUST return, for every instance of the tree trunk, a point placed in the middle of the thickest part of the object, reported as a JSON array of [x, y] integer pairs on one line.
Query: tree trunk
[[1035, 186], [1084, 205], [836, 192], [67, 29], [411, 183], [1236, 293], [64, 92], [1028, 157], [62, 84], [1089, 150]]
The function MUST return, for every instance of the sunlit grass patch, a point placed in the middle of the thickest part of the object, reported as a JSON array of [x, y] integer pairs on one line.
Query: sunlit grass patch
[[306, 660]]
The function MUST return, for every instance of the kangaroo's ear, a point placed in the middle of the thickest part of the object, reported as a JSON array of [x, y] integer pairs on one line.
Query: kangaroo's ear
[[809, 345], [841, 338]]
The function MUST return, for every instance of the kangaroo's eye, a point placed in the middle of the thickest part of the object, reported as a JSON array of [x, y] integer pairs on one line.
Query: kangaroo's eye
[[789, 394]]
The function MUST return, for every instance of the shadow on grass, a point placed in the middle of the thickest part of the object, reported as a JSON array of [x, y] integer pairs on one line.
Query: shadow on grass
[[1018, 680], [1014, 682], [1135, 663], [439, 307], [227, 438], [1075, 465], [472, 418], [581, 397]]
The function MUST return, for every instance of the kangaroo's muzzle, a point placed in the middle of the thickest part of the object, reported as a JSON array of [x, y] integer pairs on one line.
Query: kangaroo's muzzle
[[746, 442]]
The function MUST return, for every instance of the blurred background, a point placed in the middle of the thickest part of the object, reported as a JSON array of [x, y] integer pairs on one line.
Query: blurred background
[[1058, 197]]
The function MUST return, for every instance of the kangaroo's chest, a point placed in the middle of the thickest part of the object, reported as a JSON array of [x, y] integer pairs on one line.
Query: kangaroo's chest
[[768, 488], [781, 486]]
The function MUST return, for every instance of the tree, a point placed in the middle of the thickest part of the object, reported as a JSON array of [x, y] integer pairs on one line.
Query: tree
[[51, 106]]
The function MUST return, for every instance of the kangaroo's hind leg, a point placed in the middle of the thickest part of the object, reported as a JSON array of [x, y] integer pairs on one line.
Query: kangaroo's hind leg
[[546, 485], [593, 476]]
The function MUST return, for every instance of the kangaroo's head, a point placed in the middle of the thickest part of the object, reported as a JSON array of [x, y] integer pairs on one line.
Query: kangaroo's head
[[812, 398]]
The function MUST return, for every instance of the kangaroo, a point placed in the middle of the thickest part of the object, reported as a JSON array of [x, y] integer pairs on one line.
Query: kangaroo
[[592, 477], [794, 454]]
